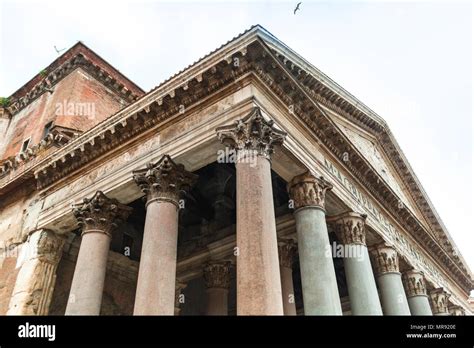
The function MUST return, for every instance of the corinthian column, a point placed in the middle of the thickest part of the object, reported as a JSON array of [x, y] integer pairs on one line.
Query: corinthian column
[[98, 217], [439, 301], [37, 276], [389, 278], [162, 183], [286, 252], [415, 289], [318, 276], [217, 277], [258, 275], [350, 230]]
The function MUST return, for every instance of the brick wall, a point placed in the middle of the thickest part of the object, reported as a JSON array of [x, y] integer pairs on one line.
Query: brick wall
[[78, 101], [8, 274]]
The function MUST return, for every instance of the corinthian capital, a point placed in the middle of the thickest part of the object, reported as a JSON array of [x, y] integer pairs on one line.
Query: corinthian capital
[[439, 300], [252, 134], [306, 190], [414, 283], [457, 311], [286, 252], [49, 246], [164, 180], [384, 259], [350, 228], [100, 213], [217, 274]]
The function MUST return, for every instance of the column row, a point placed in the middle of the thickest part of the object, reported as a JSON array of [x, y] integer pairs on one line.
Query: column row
[[264, 264]]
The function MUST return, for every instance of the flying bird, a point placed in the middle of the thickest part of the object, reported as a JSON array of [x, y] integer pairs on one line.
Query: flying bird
[[58, 51], [297, 8]]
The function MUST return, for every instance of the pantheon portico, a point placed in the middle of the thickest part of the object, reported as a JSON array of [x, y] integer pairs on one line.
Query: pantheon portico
[[247, 184]]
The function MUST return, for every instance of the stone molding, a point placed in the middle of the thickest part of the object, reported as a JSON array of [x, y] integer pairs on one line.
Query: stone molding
[[164, 180], [252, 135], [287, 249], [100, 213], [306, 190], [217, 274], [349, 228], [414, 283]]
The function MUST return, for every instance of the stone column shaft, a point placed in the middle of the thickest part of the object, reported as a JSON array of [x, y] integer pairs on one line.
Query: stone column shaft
[[85, 297], [258, 275], [98, 217], [162, 183], [286, 252], [318, 276], [415, 290], [364, 298], [393, 298], [217, 277], [36, 279], [258, 271], [157, 272]]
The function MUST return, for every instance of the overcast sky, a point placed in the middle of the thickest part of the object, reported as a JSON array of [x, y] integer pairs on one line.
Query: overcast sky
[[409, 62]]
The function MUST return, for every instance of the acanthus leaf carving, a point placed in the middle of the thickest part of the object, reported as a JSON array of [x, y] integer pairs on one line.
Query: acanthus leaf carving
[[307, 190], [100, 213], [252, 134], [164, 180]]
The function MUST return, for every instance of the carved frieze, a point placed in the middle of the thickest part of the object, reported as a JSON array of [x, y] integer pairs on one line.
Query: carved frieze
[[307, 190], [164, 180], [414, 283], [252, 134], [350, 228], [100, 213]]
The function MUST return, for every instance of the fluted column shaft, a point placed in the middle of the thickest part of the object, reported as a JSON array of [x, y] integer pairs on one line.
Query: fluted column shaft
[[36, 279], [217, 277], [162, 182], [318, 276], [363, 295], [415, 289], [286, 252], [389, 278], [258, 274], [98, 216]]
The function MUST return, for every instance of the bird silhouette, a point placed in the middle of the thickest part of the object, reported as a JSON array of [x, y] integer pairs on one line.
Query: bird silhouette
[[58, 51], [297, 8]]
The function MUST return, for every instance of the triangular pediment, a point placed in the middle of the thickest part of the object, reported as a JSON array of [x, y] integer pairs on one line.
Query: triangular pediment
[[369, 147]]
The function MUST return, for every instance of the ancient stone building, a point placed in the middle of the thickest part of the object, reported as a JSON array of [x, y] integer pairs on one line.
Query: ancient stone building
[[247, 183]]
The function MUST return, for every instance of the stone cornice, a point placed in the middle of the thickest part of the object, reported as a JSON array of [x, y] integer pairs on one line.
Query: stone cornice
[[284, 78], [79, 56], [293, 93], [328, 93]]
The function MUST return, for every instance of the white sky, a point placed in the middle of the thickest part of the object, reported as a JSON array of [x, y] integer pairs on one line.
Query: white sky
[[409, 62]]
